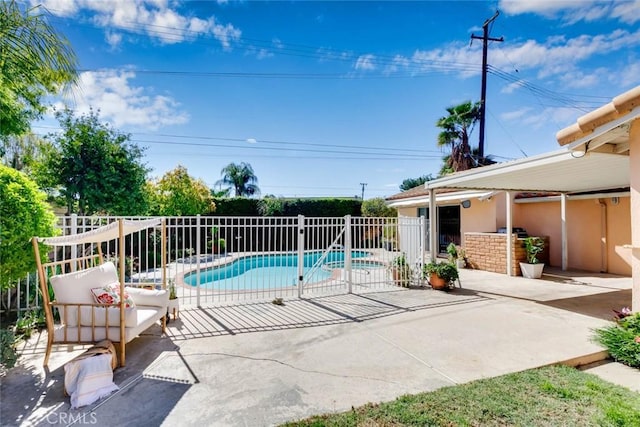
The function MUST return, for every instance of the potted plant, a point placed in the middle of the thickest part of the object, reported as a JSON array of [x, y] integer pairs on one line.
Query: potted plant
[[441, 275], [532, 269], [400, 271], [174, 305], [217, 244], [456, 255]]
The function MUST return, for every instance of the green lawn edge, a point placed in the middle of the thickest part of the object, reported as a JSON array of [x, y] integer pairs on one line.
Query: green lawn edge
[[549, 396]]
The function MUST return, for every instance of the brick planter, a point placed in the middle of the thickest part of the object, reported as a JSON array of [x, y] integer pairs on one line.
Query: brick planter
[[488, 251]]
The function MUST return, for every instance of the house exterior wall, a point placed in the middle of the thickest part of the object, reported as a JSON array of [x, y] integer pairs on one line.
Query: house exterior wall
[[634, 172], [593, 245], [479, 217], [408, 211], [597, 229]]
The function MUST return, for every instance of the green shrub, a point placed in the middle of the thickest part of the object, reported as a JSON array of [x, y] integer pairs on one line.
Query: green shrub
[[8, 355], [622, 340], [29, 322], [24, 213], [444, 270]]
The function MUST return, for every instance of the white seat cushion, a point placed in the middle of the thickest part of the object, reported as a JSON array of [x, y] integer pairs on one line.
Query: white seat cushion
[[76, 287]]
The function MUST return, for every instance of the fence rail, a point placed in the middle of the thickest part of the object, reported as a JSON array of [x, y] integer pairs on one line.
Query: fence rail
[[215, 260]]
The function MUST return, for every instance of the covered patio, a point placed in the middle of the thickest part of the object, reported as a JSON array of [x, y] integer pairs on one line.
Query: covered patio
[[597, 154]]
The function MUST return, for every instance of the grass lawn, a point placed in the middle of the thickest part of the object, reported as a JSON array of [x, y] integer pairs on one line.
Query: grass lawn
[[551, 396]]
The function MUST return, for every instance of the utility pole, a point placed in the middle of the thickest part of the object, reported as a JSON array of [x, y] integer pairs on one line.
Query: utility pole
[[363, 184], [483, 96]]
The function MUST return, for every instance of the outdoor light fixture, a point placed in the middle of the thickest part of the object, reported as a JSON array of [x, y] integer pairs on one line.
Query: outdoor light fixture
[[466, 204]]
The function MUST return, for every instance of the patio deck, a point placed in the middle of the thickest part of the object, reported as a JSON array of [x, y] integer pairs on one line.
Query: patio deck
[[262, 364]]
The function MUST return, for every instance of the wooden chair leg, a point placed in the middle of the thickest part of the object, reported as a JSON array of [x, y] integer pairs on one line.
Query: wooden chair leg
[[47, 354]]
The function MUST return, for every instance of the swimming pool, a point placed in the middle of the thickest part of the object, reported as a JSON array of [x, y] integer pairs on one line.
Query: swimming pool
[[269, 270]]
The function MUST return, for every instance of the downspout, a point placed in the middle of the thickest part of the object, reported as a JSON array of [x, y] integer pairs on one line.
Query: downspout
[[604, 260]]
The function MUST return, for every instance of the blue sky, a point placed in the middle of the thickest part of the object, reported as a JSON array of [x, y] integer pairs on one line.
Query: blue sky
[[320, 97]]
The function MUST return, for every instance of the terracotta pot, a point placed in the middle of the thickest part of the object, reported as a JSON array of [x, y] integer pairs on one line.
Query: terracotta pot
[[437, 282]]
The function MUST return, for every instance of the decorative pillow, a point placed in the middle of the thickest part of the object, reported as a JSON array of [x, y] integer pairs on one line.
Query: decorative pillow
[[110, 294]]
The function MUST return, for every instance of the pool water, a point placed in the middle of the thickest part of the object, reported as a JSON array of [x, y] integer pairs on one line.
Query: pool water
[[265, 271]]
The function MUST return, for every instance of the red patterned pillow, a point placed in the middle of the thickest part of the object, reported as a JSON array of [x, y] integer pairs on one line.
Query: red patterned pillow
[[110, 294]]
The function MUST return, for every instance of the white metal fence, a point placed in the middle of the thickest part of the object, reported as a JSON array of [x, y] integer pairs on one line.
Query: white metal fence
[[229, 259]]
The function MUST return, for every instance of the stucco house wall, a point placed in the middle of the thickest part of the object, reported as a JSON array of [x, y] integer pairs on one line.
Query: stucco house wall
[[597, 230], [479, 217], [411, 211]]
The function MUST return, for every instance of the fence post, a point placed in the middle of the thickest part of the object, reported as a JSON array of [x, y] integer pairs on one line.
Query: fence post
[[347, 251], [423, 246], [73, 229], [300, 254], [198, 260]]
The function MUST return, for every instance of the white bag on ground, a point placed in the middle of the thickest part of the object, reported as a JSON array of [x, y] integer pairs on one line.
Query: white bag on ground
[[89, 379]]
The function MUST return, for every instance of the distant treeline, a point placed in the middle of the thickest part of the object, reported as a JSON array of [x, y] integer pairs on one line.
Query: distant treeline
[[239, 206]]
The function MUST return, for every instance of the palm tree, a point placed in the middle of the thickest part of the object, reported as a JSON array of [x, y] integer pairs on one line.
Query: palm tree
[[241, 178], [477, 161], [456, 129], [35, 61]]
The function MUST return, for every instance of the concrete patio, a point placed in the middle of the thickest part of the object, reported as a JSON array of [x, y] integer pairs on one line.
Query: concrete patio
[[262, 364]]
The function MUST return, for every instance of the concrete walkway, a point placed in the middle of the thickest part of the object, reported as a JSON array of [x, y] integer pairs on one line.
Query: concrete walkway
[[263, 364]]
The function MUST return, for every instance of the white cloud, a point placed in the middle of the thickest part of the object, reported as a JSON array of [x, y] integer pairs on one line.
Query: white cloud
[[365, 62], [122, 104], [579, 79], [546, 8], [555, 57], [58, 7], [455, 57], [559, 116], [627, 12], [113, 39], [511, 87], [399, 62], [514, 115], [155, 18], [627, 76], [572, 11]]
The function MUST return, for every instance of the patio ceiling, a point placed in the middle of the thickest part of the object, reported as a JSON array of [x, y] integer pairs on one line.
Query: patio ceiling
[[560, 171]]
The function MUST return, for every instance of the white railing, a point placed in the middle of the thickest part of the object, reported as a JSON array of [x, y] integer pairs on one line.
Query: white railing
[[229, 259]]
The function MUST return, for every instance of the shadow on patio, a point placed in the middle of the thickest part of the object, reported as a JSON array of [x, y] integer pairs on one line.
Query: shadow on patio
[[199, 322], [598, 305]]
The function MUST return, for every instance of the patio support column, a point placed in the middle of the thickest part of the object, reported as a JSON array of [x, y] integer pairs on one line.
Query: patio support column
[[509, 235], [634, 178], [433, 213], [563, 227]]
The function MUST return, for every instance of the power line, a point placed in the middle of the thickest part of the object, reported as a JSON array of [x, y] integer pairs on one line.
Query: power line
[[345, 149]]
